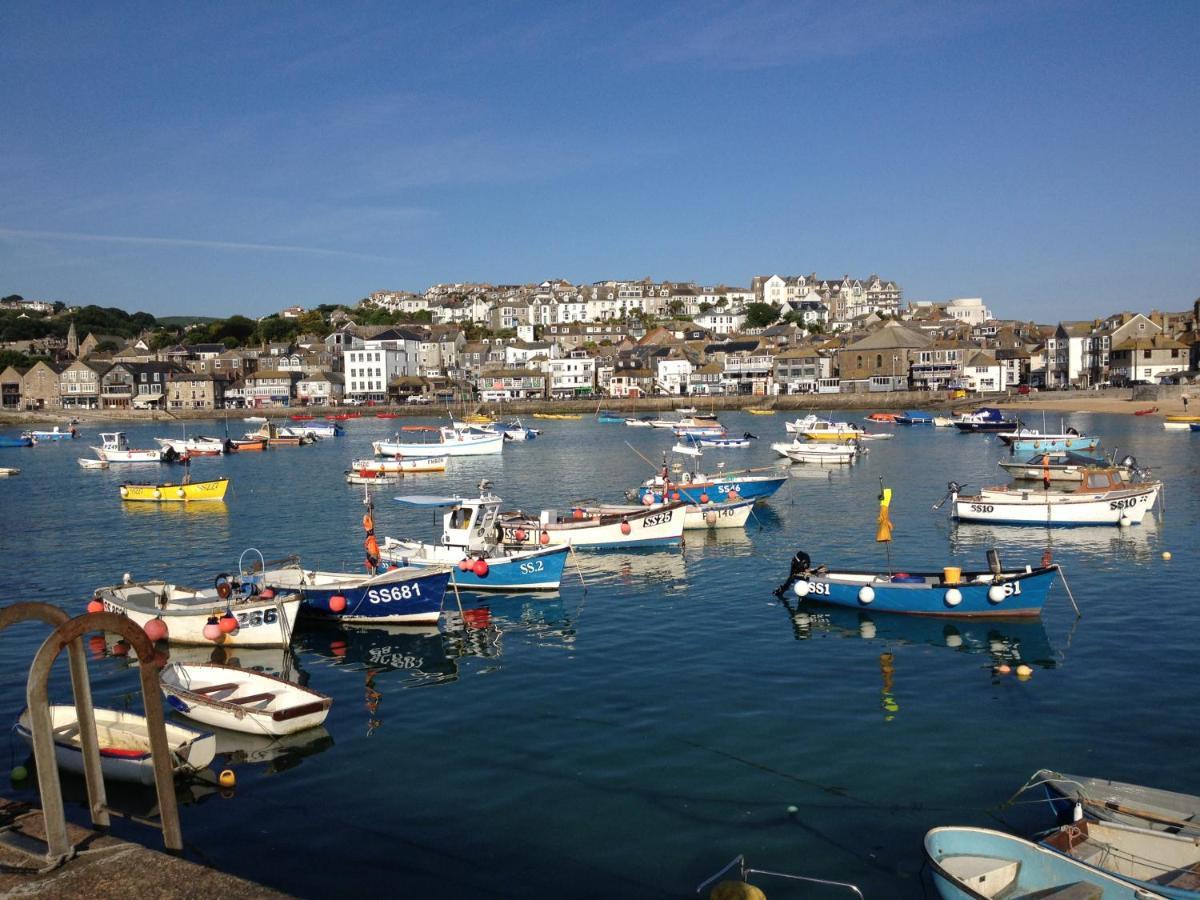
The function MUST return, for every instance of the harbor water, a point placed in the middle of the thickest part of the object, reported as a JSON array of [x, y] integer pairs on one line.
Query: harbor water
[[631, 738]]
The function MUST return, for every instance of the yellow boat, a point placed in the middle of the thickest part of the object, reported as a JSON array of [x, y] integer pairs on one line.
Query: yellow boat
[[1182, 418], [478, 419], [760, 412], [559, 416], [192, 492]]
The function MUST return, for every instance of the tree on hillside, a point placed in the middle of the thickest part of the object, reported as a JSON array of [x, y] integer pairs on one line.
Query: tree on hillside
[[17, 360], [312, 322], [239, 328], [760, 315]]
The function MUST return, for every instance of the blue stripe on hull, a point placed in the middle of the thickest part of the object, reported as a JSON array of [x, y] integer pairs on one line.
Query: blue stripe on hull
[[542, 572], [414, 600], [719, 492], [1041, 523], [922, 601], [632, 545]]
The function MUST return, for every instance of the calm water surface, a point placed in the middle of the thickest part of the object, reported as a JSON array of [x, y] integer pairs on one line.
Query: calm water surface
[[630, 739]]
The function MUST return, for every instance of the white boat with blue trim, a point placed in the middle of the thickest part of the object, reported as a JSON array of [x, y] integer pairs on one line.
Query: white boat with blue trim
[[598, 527], [450, 442], [1103, 496], [471, 543]]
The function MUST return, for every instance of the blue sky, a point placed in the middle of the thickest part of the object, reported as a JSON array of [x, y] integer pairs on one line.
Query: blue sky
[[217, 158]]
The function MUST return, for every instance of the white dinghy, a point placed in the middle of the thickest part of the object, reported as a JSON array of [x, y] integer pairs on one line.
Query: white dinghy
[[242, 700]]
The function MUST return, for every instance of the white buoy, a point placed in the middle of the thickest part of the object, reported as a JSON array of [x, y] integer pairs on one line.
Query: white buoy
[[1166, 554], [801, 589], [1125, 521], [866, 631], [953, 597], [954, 641], [995, 593], [866, 594]]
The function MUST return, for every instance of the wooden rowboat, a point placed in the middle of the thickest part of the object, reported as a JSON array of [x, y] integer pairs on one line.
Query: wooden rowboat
[[401, 465], [124, 739], [242, 700], [88, 463], [1116, 801], [192, 492]]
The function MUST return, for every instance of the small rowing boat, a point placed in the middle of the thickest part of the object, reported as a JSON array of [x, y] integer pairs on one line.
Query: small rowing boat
[[88, 463], [8, 471], [887, 417], [597, 527], [1167, 864], [402, 466], [242, 700], [124, 739], [26, 440], [757, 411], [371, 477], [1116, 801], [188, 492], [973, 863], [248, 445]]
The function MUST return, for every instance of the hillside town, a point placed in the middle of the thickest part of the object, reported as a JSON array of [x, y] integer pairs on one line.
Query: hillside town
[[794, 334]]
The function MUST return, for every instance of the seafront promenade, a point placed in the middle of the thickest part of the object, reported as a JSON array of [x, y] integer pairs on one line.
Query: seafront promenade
[[1113, 400]]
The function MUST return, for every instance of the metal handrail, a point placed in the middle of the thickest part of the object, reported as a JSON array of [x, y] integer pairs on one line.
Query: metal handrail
[[743, 871], [67, 634]]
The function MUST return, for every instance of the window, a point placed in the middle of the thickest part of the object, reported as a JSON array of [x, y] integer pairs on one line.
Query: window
[[1145, 354], [878, 360]]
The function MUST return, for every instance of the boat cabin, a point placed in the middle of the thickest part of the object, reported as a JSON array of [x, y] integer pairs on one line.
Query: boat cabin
[[1094, 481], [468, 523], [113, 440]]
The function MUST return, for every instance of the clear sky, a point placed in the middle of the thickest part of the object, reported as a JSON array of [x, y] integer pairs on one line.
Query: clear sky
[[213, 158]]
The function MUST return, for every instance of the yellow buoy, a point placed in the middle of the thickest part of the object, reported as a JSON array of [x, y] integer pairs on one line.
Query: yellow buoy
[[1024, 672], [227, 779], [1166, 554], [735, 890]]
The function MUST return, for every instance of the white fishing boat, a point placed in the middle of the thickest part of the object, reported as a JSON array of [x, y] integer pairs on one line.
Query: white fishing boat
[[814, 428], [240, 617], [1102, 497], [88, 463], [114, 448], [313, 430], [469, 543], [258, 419], [649, 423], [372, 477], [8, 471], [822, 453], [401, 466], [124, 739], [597, 526], [55, 434], [727, 514], [194, 446], [450, 442], [943, 422], [686, 449], [242, 700]]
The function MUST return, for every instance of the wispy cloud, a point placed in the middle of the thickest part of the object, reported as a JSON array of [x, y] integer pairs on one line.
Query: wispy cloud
[[20, 233]]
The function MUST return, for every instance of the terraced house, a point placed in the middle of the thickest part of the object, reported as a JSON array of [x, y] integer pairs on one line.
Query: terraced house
[[79, 384]]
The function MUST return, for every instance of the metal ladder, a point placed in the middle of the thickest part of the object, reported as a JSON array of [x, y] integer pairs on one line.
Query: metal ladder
[[68, 632]]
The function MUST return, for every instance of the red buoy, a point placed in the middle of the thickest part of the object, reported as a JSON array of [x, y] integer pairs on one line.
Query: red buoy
[[481, 568], [626, 528], [95, 605], [464, 564], [120, 648], [545, 538], [675, 495], [704, 498], [228, 623], [156, 630], [97, 646], [337, 603], [520, 535], [267, 593], [337, 648]]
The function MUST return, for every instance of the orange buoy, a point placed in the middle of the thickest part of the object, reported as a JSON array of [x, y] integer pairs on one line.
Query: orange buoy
[[228, 623], [545, 538], [95, 605], [156, 630], [626, 527], [481, 568], [337, 603]]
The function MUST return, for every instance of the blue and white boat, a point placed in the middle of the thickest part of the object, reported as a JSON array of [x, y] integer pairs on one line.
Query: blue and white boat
[[728, 442], [1157, 861], [401, 596], [696, 487], [470, 544], [1023, 442], [25, 440], [313, 429], [915, 417], [981, 864], [55, 435], [606, 417], [983, 420], [950, 592]]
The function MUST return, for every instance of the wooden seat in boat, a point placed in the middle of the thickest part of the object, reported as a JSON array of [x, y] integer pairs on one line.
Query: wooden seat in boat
[[213, 688], [253, 698], [1185, 879], [1079, 890]]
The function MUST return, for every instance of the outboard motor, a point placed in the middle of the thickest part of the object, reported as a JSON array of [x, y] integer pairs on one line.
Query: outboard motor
[[1071, 431], [801, 564]]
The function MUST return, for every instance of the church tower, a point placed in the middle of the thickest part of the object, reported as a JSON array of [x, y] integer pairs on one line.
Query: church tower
[[73, 341]]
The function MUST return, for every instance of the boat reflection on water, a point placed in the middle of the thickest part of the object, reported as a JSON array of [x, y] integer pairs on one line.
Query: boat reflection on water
[[139, 801], [277, 753], [1005, 641], [631, 568], [1024, 542], [277, 661], [206, 511], [423, 655]]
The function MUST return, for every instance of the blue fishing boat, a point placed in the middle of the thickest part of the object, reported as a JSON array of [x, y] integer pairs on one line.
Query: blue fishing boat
[[915, 417], [981, 864], [1054, 443], [606, 417], [394, 595], [24, 440], [55, 435], [984, 420], [470, 544], [950, 592], [696, 487]]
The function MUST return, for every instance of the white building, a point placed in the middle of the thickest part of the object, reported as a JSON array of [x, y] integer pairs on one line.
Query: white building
[[720, 321], [674, 372], [982, 372], [572, 376], [968, 309], [389, 355]]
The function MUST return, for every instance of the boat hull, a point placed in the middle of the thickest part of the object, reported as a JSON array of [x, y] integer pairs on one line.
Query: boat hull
[[1054, 445], [1055, 472], [401, 597], [963, 859], [19, 441], [261, 623], [1018, 594], [516, 572], [285, 708], [124, 744], [601, 528], [195, 492], [492, 443], [129, 456], [752, 487], [732, 514], [1116, 801], [1009, 507], [400, 466]]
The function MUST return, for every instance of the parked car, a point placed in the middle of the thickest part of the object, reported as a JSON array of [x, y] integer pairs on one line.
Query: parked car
[[421, 399], [1023, 389]]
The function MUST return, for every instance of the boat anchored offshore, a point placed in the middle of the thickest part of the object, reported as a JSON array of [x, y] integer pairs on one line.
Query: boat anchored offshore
[[470, 543], [1062, 466], [950, 592], [696, 487], [114, 448], [241, 699], [1103, 497], [184, 492], [451, 442], [985, 419], [598, 527], [821, 453]]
